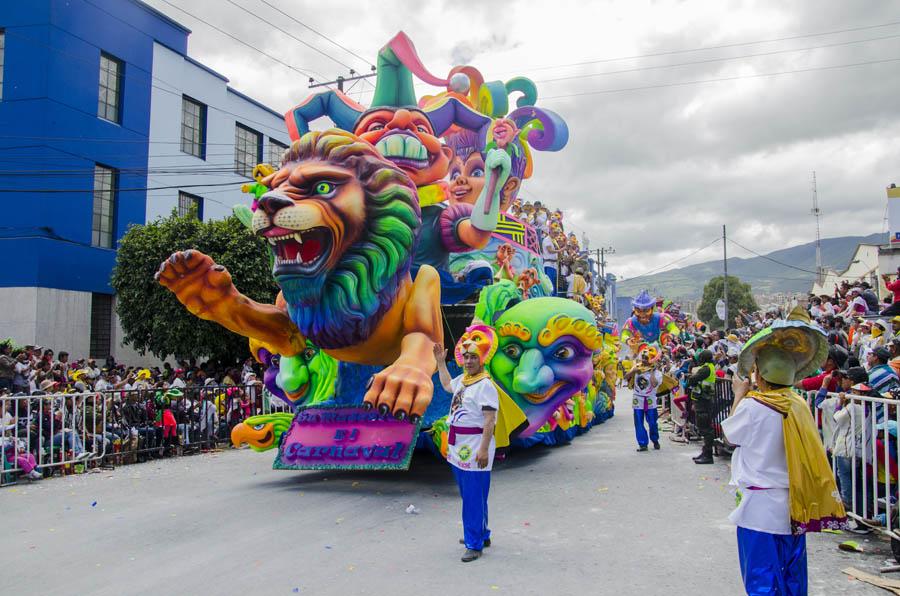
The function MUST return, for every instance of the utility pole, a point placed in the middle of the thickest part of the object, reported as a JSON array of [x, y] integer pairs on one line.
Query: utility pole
[[725, 265], [341, 79], [601, 258], [601, 262], [816, 213]]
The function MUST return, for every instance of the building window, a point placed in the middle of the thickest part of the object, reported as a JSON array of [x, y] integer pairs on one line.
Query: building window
[[2, 53], [276, 150], [105, 182], [193, 127], [110, 101], [188, 202], [101, 325], [247, 150]]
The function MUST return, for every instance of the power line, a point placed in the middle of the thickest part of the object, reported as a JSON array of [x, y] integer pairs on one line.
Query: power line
[[136, 189], [289, 34], [717, 80], [768, 258], [323, 36], [712, 60], [687, 256], [125, 75], [239, 40], [715, 47]]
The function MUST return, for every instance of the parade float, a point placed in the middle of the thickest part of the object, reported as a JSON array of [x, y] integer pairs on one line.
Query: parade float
[[389, 233]]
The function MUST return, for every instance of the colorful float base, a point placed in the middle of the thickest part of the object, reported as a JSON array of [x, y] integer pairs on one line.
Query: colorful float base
[[352, 382]]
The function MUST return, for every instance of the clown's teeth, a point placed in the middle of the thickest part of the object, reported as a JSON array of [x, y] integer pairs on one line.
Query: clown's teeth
[[395, 146], [271, 241], [298, 238]]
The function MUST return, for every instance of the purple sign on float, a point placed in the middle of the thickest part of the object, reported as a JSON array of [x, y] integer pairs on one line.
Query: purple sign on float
[[346, 438]]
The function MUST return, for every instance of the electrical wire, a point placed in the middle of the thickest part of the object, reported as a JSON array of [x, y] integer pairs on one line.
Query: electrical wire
[[125, 76], [776, 261], [323, 36], [136, 189], [242, 42], [713, 60], [715, 47], [289, 34], [717, 80], [687, 256]]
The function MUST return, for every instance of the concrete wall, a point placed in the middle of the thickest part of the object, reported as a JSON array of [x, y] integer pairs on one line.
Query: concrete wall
[[863, 267], [225, 106], [57, 319], [60, 320]]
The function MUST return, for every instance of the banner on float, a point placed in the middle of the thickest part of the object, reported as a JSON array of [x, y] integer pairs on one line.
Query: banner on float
[[334, 437], [893, 198]]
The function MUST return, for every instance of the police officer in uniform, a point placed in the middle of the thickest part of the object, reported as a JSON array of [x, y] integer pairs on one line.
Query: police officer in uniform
[[702, 385]]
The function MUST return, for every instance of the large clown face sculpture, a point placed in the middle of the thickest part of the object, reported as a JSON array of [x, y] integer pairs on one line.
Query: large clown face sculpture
[[406, 137], [544, 355]]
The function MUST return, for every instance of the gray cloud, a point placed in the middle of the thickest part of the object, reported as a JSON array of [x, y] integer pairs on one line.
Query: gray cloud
[[653, 172]]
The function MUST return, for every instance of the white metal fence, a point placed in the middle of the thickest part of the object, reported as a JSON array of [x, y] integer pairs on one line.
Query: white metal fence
[[71, 432], [62, 430], [860, 437]]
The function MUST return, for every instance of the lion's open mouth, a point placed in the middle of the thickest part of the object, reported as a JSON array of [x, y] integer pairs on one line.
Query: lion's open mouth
[[299, 252], [405, 150]]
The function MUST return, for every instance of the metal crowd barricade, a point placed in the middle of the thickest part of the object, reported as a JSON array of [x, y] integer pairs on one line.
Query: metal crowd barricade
[[61, 431], [722, 402], [871, 497], [118, 427]]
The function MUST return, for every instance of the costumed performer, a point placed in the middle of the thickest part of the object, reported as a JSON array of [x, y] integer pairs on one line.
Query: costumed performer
[[780, 468], [647, 378], [472, 418], [646, 325]]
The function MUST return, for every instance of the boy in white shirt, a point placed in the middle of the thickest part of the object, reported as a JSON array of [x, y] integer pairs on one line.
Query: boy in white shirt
[[471, 446], [781, 497], [646, 380]]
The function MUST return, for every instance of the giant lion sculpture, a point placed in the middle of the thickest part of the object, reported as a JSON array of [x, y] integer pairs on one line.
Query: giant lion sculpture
[[341, 222]]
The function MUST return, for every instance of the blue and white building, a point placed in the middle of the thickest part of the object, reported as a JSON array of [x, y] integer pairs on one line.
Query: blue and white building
[[105, 122]]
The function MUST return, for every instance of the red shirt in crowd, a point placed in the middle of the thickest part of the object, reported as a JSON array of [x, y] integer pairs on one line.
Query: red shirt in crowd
[[815, 383], [894, 287]]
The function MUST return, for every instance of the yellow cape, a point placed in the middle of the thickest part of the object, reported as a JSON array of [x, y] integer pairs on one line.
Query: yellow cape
[[815, 503], [510, 418]]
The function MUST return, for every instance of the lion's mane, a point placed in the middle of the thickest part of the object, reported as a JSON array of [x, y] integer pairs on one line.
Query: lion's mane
[[341, 307]]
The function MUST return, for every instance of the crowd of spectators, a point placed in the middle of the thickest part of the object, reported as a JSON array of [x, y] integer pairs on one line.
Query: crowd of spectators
[[565, 260], [54, 409], [853, 395]]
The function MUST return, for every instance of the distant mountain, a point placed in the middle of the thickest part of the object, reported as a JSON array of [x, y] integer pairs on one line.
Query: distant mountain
[[764, 275]]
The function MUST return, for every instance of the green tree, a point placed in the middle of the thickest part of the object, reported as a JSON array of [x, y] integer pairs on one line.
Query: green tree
[[153, 320], [739, 297]]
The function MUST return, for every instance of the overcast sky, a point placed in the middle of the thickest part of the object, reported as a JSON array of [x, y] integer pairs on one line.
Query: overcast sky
[[652, 172]]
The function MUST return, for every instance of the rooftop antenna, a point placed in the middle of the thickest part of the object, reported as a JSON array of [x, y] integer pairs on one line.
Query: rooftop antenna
[[816, 212]]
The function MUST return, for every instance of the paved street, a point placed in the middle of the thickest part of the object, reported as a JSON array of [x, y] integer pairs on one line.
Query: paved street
[[593, 517]]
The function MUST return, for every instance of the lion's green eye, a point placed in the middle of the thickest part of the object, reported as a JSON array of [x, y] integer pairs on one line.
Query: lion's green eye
[[324, 188]]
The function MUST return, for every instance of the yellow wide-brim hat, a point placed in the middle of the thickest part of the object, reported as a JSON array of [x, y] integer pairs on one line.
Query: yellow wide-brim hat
[[787, 351]]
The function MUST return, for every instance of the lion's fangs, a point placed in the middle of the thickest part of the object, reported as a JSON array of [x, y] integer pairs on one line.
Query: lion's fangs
[[294, 236]]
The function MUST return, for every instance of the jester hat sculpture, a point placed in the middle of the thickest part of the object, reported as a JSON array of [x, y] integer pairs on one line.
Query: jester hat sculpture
[[401, 131]]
